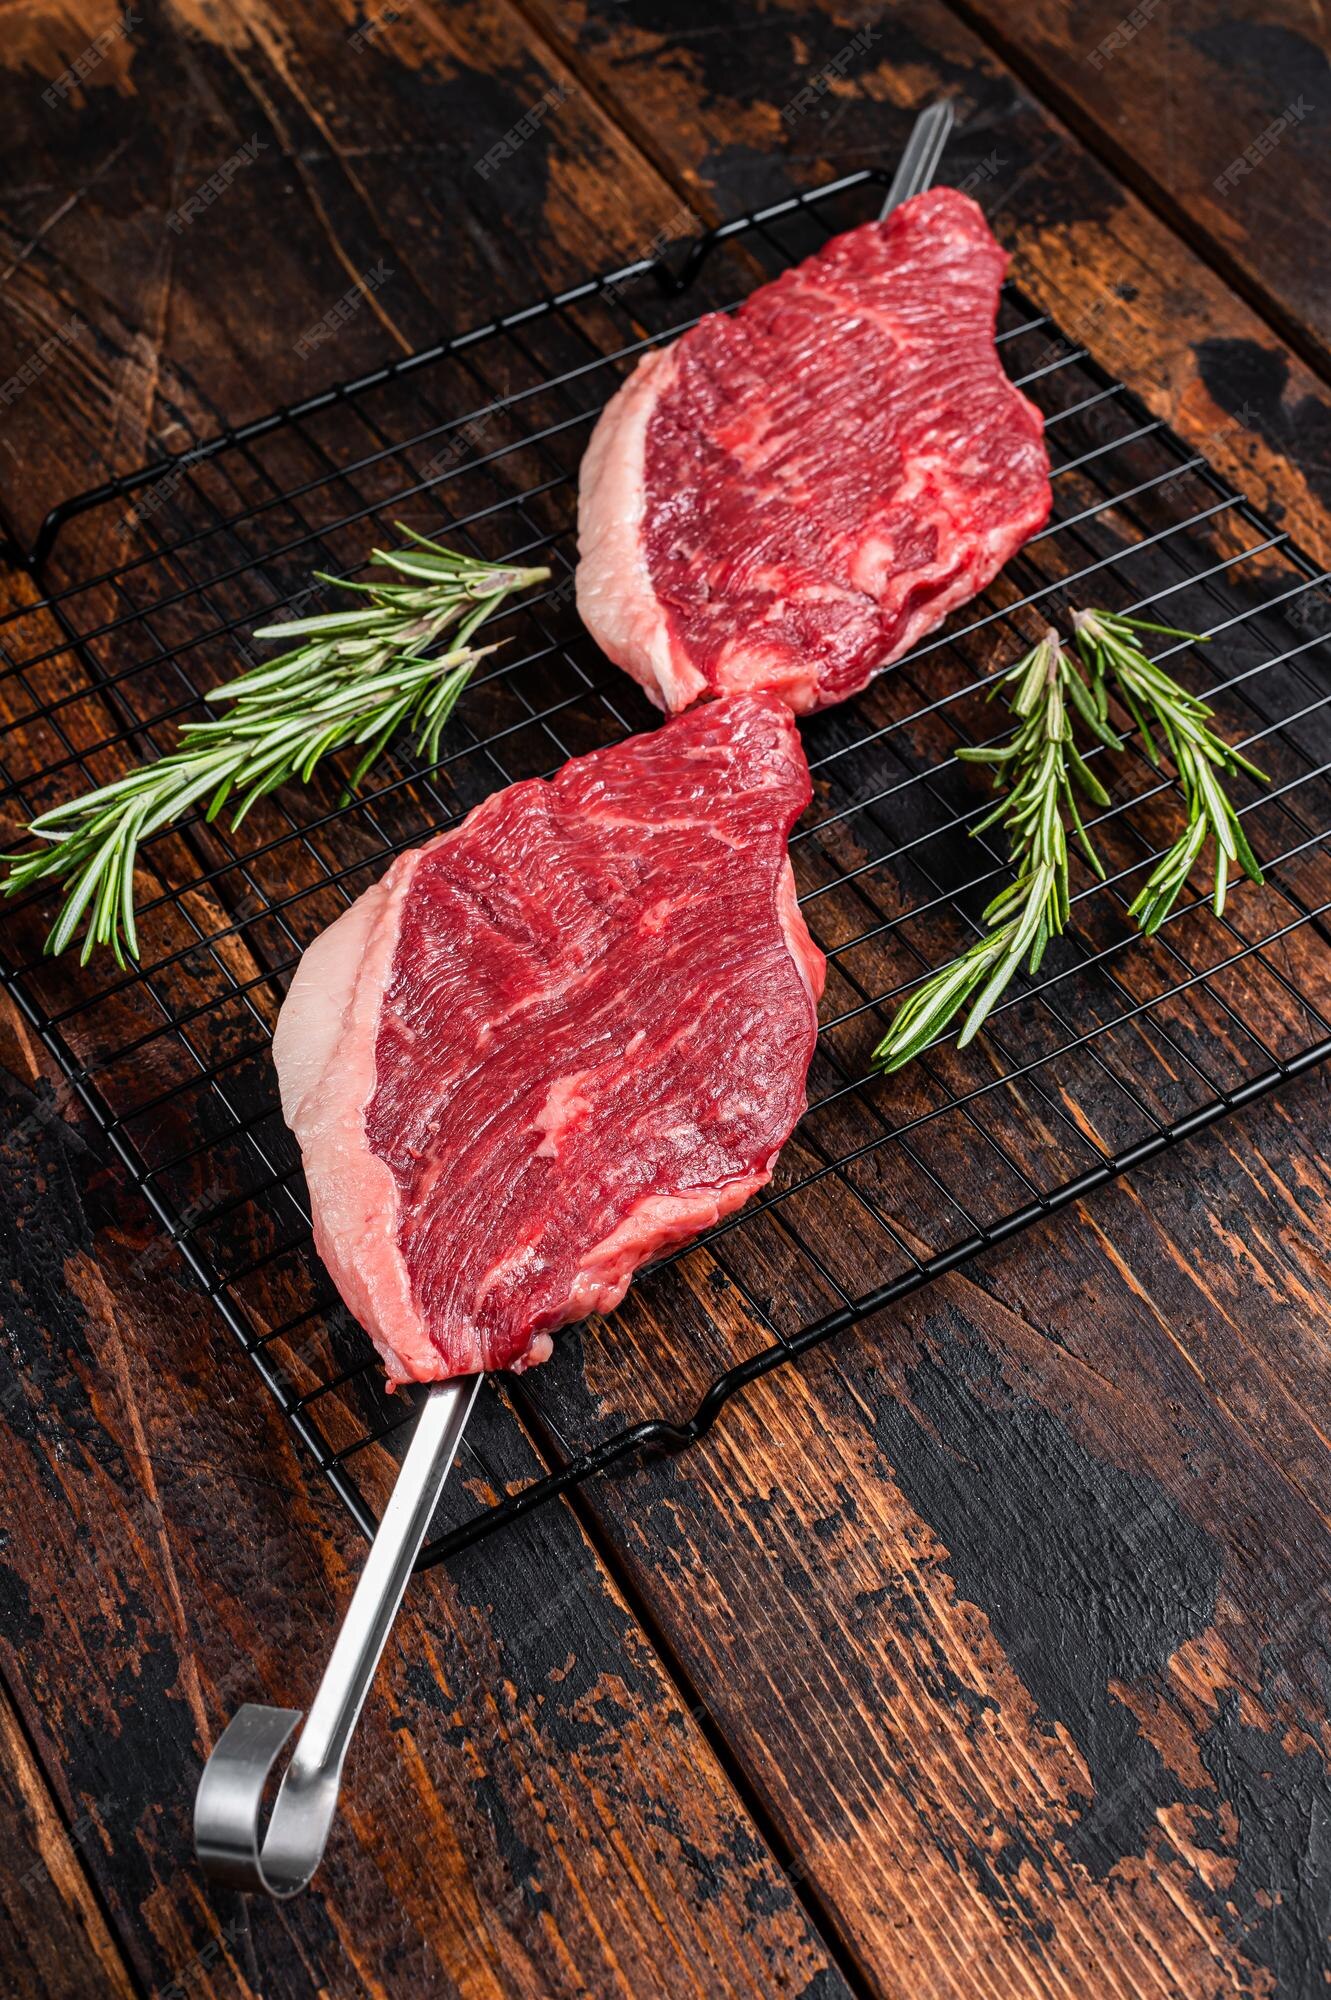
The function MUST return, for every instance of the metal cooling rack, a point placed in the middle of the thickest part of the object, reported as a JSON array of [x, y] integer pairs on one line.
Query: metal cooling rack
[[149, 586]]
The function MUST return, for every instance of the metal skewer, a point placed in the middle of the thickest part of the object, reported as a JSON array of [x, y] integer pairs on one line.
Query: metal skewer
[[227, 1807], [227, 1838], [924, 149]]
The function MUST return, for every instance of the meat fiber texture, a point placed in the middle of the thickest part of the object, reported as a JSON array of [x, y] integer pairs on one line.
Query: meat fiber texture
[[792, 496], [557, 1041]]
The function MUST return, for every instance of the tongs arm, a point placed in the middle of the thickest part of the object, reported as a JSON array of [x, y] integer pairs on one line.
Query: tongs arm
[[919, 162], [227, 1806]]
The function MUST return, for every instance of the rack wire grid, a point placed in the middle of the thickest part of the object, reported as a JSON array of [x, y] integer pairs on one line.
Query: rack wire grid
[[1120, 1046]]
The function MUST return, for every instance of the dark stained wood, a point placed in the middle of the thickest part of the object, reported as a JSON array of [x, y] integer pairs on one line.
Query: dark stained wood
[[1214, 116], [368, 159], [985, 1653], [730, 133], [1040, 1565], [53, 1936]]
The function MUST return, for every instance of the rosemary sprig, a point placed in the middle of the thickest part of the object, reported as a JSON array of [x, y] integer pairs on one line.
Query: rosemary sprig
[[1041, 773], [1109, 649], [352, 679]]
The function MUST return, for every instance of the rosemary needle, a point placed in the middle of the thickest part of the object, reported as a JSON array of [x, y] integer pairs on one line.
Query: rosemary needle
[[348, 679]]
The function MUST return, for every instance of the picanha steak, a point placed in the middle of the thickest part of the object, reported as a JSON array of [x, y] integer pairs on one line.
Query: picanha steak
[[791, 496], [556, 1041]]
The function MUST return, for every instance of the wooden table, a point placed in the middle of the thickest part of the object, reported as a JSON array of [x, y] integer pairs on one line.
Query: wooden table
[[986, 1653]]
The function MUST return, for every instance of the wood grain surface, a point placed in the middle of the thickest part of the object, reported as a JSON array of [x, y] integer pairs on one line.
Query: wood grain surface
[[986, 1652]]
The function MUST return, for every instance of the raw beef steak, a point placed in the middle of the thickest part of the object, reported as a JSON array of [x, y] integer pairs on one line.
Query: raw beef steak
[[556, 1041], [790, 497]]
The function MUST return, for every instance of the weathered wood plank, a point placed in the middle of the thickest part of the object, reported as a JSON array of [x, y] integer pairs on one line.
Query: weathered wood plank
[[53, 1937], [1216, 117], [372, 133], [1013, 1604]]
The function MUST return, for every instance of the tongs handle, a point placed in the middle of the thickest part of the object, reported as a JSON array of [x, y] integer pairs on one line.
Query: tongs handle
[[227, 1805]]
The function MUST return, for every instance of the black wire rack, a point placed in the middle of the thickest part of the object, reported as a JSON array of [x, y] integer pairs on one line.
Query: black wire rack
[[150, 585]]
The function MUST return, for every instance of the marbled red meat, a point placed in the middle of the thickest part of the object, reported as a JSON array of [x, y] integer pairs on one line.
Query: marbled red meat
[[792, 496], [556, 1041]]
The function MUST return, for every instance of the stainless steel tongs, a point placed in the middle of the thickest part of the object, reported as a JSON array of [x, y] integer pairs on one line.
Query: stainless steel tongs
[[228, 1839]]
